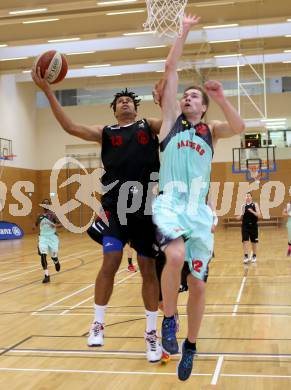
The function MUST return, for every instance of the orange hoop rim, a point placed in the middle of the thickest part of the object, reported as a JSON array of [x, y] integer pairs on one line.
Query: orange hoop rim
[[7, 156]]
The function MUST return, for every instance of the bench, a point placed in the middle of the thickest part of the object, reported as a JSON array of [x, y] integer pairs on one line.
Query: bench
[[272, 221]]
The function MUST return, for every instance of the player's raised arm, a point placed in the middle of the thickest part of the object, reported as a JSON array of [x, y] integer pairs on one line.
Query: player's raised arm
[[234, 124], [169, 93], [88, 133]]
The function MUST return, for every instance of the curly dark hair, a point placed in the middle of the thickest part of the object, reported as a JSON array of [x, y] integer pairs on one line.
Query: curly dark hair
[[130, 94]]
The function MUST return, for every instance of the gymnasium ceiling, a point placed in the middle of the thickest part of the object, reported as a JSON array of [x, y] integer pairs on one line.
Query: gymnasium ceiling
[[262, 33]]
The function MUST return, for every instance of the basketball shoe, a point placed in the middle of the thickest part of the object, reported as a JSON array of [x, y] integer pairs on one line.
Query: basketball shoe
[[96, 335], [154, 350]]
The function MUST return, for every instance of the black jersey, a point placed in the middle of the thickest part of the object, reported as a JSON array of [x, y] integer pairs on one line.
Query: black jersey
[[129, 153], [248, 217]]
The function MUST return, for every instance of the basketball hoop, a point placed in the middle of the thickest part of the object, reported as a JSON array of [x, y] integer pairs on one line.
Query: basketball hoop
[[7, 157], [4, 158], [165, 16], [255, 173]]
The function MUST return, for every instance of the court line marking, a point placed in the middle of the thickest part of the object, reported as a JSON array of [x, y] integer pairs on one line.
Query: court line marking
[[67, 371], [68, 296], [62, 299], [238, 298], [92, 296], [180, 315], [94, 371], [217, 370], [37, 268], [207, 304], [258, 376], [142, 353]]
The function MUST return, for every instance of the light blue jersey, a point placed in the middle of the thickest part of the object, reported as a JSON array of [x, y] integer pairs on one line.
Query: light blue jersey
[[180, 209], [46, 226], [48, 240]]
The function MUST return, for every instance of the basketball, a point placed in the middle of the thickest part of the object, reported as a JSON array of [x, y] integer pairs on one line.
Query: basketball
[[55, 63]]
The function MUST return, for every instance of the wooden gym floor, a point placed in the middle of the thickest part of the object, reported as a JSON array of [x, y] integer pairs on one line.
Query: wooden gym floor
[[244, 342]]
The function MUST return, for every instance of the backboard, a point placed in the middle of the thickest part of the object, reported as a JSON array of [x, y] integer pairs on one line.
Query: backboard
[[256, 163], [6, 148]]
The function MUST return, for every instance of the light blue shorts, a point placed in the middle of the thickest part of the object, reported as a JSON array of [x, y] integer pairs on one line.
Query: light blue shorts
[[49, 244], [174, 219]]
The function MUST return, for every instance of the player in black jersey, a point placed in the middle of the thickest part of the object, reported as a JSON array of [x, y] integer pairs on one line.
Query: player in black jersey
[[129, 154], [250, 213]]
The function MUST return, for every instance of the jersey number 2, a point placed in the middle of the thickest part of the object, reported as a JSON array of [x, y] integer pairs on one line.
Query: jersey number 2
[[197, 264]]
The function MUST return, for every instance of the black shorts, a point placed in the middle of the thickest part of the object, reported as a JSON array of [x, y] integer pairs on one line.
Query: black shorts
[[139, 231], [250, 232]]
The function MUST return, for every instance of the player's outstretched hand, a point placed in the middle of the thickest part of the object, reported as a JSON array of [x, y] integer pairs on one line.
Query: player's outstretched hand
[[40, 81], [189, 21]]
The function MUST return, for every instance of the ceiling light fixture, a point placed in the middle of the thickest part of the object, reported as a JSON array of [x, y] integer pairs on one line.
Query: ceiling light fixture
[[225, 40], [63, 40], [149, 47], [115, 2], [3, 45], [155, 61], [97, 66], [227, 55], [109, 75], [79, 53], [126, 12], [231, 66], [139, 33], [221, 26], [273, 119], [27, 11], [13, 59], [213, 4], [40, 21]]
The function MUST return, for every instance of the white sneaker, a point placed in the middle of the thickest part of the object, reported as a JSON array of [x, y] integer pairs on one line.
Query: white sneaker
[[154, 349], [96, 335], [246, 260], [254, 259]]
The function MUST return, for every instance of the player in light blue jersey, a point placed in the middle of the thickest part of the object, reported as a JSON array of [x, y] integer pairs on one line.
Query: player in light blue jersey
[[48, 240], [183, 218]]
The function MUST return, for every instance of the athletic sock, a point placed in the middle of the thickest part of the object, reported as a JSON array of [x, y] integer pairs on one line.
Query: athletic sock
[[46, 272], [151, 320], [99, 313]]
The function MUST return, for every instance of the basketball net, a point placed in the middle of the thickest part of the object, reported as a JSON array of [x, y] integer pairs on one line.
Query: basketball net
[[165, 16], [255, 173]]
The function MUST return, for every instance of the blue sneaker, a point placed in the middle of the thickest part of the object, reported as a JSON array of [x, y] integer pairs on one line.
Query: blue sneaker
[[185, 364], [169, 341]]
